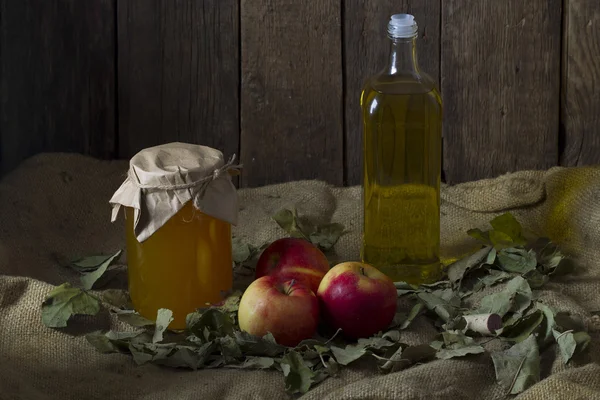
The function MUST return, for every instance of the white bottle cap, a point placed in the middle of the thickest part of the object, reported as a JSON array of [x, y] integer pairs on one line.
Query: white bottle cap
[[402, 26]]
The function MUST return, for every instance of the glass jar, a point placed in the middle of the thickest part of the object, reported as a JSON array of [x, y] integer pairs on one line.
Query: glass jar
[[179, 205]]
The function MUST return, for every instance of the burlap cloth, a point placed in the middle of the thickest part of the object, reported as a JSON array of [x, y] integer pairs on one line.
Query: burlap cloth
[[56, 206]]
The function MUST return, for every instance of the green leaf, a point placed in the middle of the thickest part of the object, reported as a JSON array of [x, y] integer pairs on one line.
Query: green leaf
[[517, 260], [458, 270], [117, 298], [492, 278], [91, 263], [566, 343], [403, 288], [518, 368], [459, 351], [508, 225], [548, 324], [88, 279], [567, 322], [524, 327], [506, 232], [214, 321], [582, 339], [571, 342], [353, 352], [515, 297], [289, 222], [348, 354], [491, 257], [374, 342], [442, 307], [298, 376], [500, 240], [414, 312], [326, 236], [113, 342], [65, 301], [258, 346], [133, 318], [323, 236], [479, 235], [164, 318], [256, 363], [403, 357], [186, 356], [241, 251], [536, 279]]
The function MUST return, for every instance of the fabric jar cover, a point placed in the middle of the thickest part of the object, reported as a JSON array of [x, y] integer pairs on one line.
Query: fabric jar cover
[[162, 179]]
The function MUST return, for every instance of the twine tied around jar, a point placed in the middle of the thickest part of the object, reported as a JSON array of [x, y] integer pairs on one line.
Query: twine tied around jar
[[202, 183]]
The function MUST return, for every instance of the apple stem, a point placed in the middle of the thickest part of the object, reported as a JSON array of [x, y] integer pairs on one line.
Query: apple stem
[[291, 287]]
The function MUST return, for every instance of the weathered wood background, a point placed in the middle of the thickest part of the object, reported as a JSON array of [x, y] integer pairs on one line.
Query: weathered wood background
[[278, 82]]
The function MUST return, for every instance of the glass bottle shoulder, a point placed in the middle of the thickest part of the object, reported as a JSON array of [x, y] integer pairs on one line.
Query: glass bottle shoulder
[[400, 84]]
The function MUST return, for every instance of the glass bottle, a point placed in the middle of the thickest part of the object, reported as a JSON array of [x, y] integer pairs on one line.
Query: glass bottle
[[402, 134]]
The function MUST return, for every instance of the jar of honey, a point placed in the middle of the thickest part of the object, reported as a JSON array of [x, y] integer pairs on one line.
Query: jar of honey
[[179, 202]]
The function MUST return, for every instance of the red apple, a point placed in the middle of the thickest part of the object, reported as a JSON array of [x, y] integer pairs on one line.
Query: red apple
[[357, 298], [293, 258], [289, 310]]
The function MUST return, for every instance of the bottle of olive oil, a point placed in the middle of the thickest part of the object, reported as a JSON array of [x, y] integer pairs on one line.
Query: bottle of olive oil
[[402, 135]]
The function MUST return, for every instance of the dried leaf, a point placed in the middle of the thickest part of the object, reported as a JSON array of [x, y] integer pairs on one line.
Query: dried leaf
[[548, 324], [458, 270], [133, 318], [289, 222], [404, 356], [571, 342], [164, 317], [518, 368], [117, 298], [508, 225], [414, 312], [215, 322], [91, 263], [240, 251], [515, 297], [436, 303], [326, 236], [506, 232], [348, 354], [258, 346], [566, 343], [536, 279], [298, 376], [256, 363], [459, 351], [522, 328], [88, 279], [494, 277], [65, 301], [112, 342], [479, 235], [403, 288], [517, 260], [566, 322]]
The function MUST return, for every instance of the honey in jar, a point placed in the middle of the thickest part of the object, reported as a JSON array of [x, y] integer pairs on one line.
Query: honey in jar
[[179, 204]]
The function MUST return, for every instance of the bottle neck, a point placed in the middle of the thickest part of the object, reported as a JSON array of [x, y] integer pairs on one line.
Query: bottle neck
[[403, 57]]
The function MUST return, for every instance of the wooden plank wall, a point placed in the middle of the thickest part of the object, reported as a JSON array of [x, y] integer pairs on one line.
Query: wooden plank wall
[[278, 82]]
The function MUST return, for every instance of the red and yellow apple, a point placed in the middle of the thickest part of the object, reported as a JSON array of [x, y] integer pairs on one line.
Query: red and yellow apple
[[293, 258], [358, 299], [289, 310]]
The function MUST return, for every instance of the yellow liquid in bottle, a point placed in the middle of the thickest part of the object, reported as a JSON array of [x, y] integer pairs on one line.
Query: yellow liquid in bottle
[[402, 166], [182, 266]]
